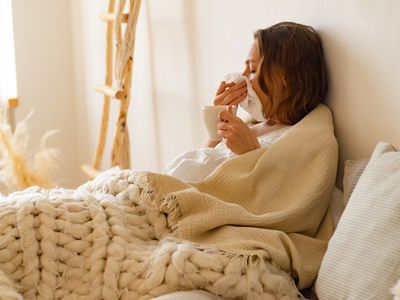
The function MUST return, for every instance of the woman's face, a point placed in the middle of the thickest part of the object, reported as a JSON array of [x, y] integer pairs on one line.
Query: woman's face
[[252, 71]]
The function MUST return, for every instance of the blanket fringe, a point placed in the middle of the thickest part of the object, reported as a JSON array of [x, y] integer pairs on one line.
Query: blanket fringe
[[171, 208]]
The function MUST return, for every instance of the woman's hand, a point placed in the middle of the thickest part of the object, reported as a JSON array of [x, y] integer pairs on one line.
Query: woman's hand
[[230, 93], [238, 136]]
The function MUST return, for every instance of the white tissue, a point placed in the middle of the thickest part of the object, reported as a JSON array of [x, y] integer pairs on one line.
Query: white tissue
[[251, 103]]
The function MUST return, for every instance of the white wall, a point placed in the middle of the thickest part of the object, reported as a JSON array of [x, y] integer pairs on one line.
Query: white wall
[[45, 77], [183, 49], [362, 45]]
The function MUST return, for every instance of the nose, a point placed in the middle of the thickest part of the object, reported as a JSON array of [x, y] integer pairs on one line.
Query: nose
[[246, 72]]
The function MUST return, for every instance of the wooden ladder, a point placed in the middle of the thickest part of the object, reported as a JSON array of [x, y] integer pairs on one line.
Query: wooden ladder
[[118, 67]]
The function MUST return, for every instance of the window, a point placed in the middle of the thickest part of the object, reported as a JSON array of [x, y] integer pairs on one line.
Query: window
[[8, 78]]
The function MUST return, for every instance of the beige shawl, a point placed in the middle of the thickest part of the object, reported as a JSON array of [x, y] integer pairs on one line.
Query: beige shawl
[[271, 202]]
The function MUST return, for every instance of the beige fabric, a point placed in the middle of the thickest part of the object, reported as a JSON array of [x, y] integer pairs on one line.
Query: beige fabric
[[362, 260], [8, 290], [352, 173], [136, 235], [336, 207], [109, 240], [266, 200]]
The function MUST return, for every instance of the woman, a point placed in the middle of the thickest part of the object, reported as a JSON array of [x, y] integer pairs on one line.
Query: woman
[[287, 72]]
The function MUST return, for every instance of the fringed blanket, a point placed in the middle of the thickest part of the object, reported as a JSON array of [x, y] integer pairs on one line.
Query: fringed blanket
[[243, 233]]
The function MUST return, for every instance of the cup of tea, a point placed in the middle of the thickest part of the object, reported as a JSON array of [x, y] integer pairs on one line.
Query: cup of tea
[[210, 118]]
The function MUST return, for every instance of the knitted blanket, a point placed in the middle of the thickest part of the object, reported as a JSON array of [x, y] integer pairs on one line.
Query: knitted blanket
[[243, 233]]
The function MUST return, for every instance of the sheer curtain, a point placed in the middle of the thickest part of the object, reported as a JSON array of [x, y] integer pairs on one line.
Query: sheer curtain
[[8, 81], [165, 114]]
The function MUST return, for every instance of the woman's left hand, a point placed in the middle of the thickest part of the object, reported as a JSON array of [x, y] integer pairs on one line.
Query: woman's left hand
[[238, 136]]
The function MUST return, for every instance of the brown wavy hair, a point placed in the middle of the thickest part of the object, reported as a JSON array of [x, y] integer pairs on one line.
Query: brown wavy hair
[[297, 51]]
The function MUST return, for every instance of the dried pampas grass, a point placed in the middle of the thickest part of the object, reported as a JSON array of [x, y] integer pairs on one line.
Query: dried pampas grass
[[20, 169]]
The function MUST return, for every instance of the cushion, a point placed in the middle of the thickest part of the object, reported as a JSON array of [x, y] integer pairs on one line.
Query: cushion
[[363, 260], [352, 172]]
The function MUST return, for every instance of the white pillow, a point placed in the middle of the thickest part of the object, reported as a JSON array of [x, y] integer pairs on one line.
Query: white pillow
[[363, 257], [352, 173]]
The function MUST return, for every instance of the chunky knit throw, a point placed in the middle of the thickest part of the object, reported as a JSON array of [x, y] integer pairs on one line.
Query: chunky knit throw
[[243, 233]]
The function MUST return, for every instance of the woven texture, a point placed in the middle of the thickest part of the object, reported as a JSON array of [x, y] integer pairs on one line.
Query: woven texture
[[8, 290], [135, 235], [362, 260]]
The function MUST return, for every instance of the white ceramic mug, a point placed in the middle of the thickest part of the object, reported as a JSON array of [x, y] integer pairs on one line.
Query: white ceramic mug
[[210, 118]]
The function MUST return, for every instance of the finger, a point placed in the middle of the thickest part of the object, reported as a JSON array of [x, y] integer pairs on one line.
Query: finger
[[238, 93], [222, 92], [230, 96], [223, 133], [222, 126], [237, 86], [239, 99], [226, 116], [223, 86], [222, 98], [241, 84], [225, 99], [219, 99]]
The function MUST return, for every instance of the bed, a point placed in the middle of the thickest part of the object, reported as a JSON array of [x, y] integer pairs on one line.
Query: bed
[[138, 235], [114, 236], [366, 192]]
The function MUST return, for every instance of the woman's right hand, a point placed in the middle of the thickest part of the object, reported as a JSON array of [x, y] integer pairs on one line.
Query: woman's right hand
[[231, 93], [239, 138]]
